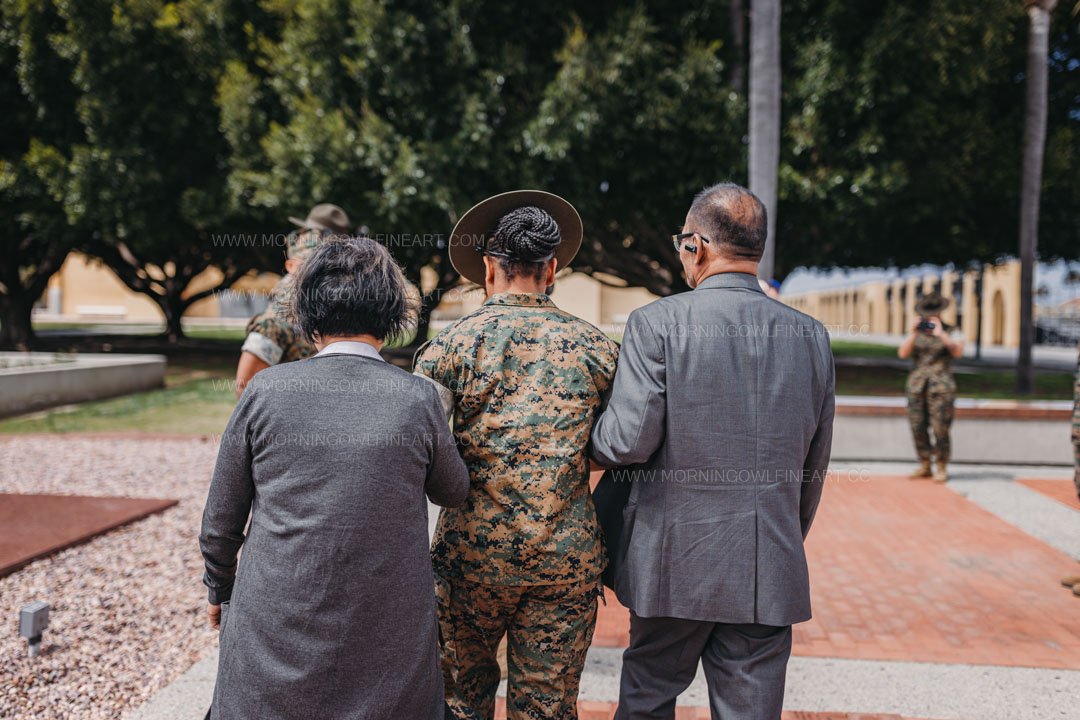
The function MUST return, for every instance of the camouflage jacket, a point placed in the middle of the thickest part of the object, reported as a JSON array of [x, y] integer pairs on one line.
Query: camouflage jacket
[[524, 381], [271, 336], [932, 366]]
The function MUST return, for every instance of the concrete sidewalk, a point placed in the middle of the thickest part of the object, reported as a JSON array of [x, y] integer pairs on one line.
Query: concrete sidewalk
[[930, 601]]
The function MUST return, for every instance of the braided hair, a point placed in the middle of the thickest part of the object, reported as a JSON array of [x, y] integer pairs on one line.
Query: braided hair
[[523, 241]]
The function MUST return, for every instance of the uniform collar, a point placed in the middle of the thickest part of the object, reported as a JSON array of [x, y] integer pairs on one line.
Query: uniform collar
[[520, 299], [744, 281]]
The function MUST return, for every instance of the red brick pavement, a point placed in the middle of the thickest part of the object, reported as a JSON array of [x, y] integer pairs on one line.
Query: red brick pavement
[[1061, 490], [588, 710], [910, 570]]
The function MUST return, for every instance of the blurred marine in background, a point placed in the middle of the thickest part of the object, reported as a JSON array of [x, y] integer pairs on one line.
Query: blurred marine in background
[[271, 336], [1073, 581], [931, 388]]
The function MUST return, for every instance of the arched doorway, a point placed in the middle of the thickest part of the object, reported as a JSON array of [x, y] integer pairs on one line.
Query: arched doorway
[[997, 319]]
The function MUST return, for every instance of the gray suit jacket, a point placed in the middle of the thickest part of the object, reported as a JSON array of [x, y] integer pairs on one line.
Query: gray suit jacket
[[723, 402]]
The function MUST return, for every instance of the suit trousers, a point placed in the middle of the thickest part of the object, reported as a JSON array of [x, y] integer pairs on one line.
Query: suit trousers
[[745, 668]]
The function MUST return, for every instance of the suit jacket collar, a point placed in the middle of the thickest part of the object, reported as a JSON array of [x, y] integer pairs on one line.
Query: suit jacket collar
[[743, 281]]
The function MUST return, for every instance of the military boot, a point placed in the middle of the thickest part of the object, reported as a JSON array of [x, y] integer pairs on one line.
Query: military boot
[[941, 473], [923, 471], [1071, 581]]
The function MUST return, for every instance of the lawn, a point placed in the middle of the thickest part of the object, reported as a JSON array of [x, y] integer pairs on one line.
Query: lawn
[[198, 394], [197, 399], [850, 348], [985, 384]]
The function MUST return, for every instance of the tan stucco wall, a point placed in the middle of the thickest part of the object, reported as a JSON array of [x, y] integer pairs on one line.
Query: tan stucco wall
[[865, 308], [88, 289]]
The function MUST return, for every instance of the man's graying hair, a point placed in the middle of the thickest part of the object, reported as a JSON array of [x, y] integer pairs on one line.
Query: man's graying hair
[[734, 218], [528, 237], [352, 286]]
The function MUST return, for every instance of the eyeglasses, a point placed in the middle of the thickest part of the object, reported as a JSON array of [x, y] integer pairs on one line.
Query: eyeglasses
[[677, 239]]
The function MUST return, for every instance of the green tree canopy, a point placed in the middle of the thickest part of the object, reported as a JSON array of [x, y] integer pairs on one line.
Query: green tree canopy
[[144, 130]]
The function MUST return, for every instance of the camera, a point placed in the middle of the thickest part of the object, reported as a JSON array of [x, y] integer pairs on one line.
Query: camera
[[926, 326]]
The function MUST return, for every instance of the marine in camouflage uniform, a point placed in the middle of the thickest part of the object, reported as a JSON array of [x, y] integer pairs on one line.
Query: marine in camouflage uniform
[[931, 396], [931, 389], [523, 555], [271, 335], [1076, 429], [523, 382], [1073, 581]]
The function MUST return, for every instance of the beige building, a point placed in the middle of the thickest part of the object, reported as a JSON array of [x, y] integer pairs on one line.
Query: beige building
[[990, 304], [85, 290]]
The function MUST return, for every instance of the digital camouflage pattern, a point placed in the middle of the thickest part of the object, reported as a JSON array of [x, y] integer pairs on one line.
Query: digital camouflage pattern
[[549, 629], [1076, 429], [525, 381], [271, 335], [301, 244], [931, 397]]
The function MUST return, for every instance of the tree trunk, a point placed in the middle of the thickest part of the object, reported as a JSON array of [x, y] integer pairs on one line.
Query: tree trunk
[[737, 20], [16, 330], [174, 330], [1031, 179], [764, 158]]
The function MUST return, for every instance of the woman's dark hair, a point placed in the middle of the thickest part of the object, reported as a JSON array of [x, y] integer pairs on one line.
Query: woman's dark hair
[[523, 241], [352, 286]]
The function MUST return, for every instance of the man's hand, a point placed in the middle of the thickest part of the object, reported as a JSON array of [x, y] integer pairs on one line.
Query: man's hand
[[213, 613]]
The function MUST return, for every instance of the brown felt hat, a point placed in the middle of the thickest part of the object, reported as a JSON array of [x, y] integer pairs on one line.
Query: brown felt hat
[[931, 303], [325, 217], [470, 235]]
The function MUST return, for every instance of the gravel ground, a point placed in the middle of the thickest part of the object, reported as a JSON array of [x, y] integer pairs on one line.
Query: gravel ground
[[127, 607]]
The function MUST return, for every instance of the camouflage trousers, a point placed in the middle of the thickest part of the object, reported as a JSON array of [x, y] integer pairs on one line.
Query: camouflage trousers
[[1076, 451], [931, 410], [548, 630]]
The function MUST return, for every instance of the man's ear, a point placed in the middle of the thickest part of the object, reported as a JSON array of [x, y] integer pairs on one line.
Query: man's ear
[[701, 257]]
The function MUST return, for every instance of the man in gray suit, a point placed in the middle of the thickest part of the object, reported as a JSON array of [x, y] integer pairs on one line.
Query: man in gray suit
[[723, 403]]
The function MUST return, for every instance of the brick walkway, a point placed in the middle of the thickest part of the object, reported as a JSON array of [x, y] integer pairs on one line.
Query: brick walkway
[[910, 570], [606, 711], [1061, 490]]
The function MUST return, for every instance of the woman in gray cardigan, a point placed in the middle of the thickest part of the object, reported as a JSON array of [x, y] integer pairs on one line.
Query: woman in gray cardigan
[[330, 612]]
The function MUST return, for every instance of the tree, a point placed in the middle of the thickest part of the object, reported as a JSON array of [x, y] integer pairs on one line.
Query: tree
[[407, 114], [903, 123], [33, 134], [143, 174], [765, 119], [1035, 102]]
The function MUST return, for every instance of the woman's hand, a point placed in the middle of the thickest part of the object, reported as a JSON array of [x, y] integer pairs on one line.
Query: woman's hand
[[213, 613]]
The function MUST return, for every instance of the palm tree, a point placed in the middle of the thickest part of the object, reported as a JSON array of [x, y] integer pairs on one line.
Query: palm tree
[[1035, 101], [764, 157]]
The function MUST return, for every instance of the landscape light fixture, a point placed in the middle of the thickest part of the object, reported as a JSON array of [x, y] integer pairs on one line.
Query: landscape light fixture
[[33, 619]]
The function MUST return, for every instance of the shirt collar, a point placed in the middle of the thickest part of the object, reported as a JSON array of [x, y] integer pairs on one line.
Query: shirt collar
[[731, 280], [351, 347], [522, 299]]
